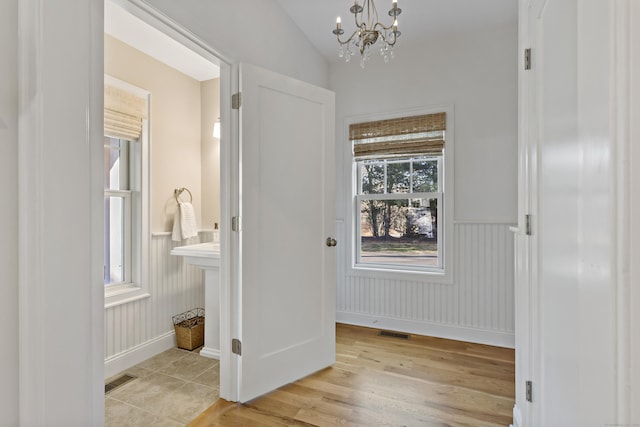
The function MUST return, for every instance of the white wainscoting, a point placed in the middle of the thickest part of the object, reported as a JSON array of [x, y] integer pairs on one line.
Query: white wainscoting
[[143, 328], [477, 307]]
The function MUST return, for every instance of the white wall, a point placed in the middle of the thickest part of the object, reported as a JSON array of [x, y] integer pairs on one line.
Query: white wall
[[254, 31], [175, 127], [9, 212], [141, 329], [210, 153], [476, 72]]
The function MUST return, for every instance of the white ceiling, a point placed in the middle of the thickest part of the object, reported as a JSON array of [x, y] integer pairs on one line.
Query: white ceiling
[[140, 35], [420, 20]]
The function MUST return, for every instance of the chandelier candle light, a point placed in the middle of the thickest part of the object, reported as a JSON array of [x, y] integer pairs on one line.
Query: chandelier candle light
[[368, 32]]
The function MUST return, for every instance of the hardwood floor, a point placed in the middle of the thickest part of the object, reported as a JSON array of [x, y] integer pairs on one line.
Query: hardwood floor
[[388, 381]]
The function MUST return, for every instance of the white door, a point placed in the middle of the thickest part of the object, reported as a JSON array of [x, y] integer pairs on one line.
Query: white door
[[570, 296], [287, 273]]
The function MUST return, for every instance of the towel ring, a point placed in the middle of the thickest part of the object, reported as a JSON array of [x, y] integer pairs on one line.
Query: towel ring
[[178, 192]]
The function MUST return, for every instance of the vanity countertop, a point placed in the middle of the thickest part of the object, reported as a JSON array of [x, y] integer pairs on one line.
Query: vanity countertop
[[208, 249], [203, 255]]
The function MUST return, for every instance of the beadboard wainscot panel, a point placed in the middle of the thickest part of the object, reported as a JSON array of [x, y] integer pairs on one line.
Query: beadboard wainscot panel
[[478, 307], [143, 328]]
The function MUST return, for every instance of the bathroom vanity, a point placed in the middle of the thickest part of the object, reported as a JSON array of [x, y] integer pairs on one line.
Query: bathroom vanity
[[207, 257]]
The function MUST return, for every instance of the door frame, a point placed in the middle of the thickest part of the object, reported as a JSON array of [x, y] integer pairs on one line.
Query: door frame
[[229, 192]]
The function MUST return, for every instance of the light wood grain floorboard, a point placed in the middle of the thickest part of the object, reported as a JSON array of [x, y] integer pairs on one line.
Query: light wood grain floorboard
[[386, 381]]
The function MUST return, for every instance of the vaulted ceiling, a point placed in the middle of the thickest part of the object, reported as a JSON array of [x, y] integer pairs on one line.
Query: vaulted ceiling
[[420, 21]]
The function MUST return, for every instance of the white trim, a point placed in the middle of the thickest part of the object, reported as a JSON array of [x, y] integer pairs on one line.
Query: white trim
[[96, 133], [161, 22], [122, 361], [486, 221], [392, 273], [40, 86], [31, 302], [517, 417], [458, 333], [229, 241], [211, 353], [124, 295], [632, 317], [622, 177], [168, 233], [446, 274]]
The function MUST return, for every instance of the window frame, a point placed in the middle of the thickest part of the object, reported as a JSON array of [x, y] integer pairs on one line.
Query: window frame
[[130, 227], [444, 274], [137, 287]]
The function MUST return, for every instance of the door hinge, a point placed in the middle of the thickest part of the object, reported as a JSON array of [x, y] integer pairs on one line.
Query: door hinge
[[527, 225], [236, 347], [527, 59], [236, 100], [235, 223], [529, 391]]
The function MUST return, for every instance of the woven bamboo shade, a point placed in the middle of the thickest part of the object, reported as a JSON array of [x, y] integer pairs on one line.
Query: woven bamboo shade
[[417, 135], [123, 113]]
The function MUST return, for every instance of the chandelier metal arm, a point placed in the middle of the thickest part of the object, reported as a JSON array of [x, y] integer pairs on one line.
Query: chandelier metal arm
[[388, 40], [368, 31]]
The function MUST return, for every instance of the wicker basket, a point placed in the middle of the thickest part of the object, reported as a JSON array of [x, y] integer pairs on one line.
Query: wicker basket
[[189, 327]]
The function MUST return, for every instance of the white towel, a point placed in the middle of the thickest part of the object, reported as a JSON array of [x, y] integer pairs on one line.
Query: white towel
[[176, 235], [188, 220], [184, 222]]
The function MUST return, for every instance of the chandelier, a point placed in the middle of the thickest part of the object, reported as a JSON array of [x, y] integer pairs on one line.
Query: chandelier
[[368, 32]]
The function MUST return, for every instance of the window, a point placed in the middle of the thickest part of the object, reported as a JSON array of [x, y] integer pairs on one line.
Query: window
[[126, 195], [400, 219], [119, 225]]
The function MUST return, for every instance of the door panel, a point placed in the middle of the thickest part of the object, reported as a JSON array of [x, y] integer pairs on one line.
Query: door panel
[[287, 273]]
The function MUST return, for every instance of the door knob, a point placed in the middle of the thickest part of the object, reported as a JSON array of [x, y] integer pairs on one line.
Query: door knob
[[331, 241]]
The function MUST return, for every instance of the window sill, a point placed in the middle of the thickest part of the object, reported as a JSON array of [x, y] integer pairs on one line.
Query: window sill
[[432, 276], [123, 294]]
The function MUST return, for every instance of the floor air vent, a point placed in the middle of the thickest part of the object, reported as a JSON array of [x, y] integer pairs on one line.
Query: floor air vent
[[394, 335], [118, 382]]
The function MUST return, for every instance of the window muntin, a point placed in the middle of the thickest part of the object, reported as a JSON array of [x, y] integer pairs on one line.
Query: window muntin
[[398, 223]]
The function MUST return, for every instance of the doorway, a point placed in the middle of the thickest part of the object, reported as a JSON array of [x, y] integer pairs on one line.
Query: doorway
[[271, 103], [184, 82]]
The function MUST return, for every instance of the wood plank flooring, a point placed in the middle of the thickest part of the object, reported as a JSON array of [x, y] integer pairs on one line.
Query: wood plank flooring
[[388, 381]]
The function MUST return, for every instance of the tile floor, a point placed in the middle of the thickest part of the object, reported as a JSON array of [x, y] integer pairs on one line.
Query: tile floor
[[171, 389]]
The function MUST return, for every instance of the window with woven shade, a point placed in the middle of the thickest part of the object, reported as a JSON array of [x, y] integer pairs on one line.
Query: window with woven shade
[[399, 192], [123, 113], [421, 135], [126, 193]]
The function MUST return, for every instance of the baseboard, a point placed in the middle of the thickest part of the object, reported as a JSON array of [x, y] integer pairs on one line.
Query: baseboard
[[517, 417], [460, 333], [131, 357], [211, 353]]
